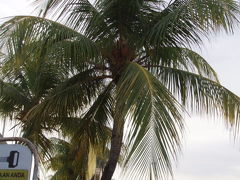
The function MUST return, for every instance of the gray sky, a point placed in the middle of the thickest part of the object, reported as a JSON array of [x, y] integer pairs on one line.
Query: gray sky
[[209, 153]]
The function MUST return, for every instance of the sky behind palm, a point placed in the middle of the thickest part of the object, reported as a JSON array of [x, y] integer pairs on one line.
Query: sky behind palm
[[209, 152]]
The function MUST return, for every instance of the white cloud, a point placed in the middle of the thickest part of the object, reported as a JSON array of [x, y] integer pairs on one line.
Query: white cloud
[[14, 7], [208, 153], [223, 53], [192, 177]]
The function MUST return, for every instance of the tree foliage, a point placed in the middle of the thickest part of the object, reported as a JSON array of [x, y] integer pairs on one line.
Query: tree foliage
[[118, 63]]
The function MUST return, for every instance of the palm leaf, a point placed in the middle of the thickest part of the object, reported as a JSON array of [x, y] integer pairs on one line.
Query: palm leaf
[[69, 97], [183, 22], [153, 137], [54, 37], [37, 135], [12, 97], [201, 94], [180, 58], [97, 118]]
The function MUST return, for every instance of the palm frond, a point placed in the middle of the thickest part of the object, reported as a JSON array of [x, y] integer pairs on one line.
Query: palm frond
[[69, 97], [202, 95], [53, 37], [179, 58], [153, 137], [12, 97], [73, 159], [36, 134], [184, 22], [96, 120]]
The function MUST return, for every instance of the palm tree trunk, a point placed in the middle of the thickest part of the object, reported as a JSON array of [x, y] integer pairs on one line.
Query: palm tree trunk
[[116, 145]]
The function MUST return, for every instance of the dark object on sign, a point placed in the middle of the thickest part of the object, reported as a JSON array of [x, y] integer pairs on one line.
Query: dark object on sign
[[12, 159]]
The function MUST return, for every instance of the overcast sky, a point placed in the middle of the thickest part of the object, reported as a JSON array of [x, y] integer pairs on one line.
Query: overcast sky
[[209, 153]]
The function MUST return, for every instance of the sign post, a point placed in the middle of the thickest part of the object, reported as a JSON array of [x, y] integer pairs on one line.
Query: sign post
[[16, 160]]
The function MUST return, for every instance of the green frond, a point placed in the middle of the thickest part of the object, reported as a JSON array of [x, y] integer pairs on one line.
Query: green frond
[[184, 22], [66, 7], [61, 43], [36, 134], [82, 16], [73, 159], [24, 87], [70, 97], [11, 97], [179, 58], [153, 138], [200, 94], [41, 79], [97, 118]]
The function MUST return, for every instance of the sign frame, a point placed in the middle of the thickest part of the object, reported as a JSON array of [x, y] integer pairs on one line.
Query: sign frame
[[31, 147]]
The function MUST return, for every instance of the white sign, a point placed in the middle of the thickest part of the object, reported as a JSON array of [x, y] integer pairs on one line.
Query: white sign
[[15, 162]]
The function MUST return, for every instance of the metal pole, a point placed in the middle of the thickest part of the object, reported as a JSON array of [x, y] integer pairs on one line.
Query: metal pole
[[32, 149], [4, 126]]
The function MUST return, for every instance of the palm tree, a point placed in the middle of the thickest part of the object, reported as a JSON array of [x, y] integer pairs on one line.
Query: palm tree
[[133, 67], [74, 160], [69, 162], [25, 81]]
